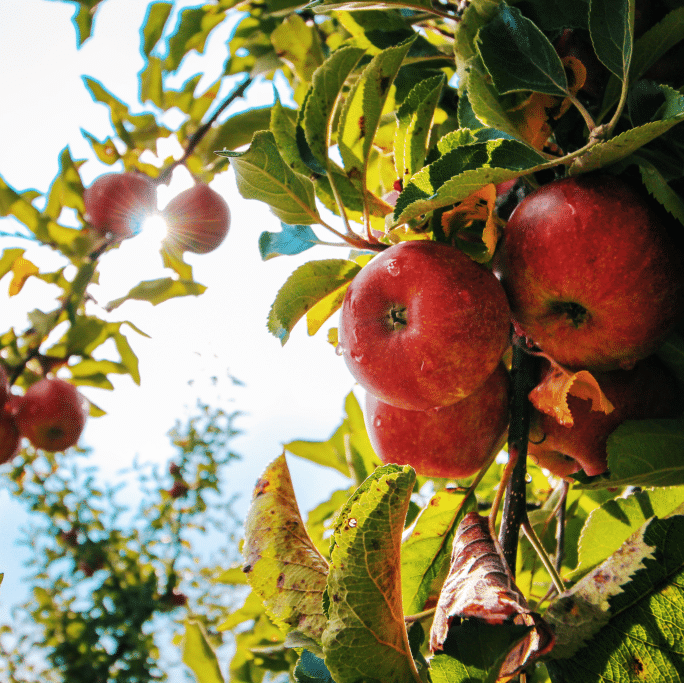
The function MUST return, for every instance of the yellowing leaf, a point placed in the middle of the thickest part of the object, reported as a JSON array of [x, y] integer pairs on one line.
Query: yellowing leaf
[[282, 563], [22, 270], [550, 396], [316, 316]]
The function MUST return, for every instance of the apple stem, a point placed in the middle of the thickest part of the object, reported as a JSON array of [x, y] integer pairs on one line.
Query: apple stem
[[524, 372]]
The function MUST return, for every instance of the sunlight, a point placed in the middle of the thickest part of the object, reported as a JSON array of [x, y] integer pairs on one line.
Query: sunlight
[[152, 233]]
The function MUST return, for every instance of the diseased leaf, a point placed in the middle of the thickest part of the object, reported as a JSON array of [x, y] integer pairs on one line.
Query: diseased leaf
[[550, 396], [518, 56], [281, 562], [309, 284], [261, 173], [365, 637], [156, 291], [199, 656], [293, 239], [611, 26], [426, 552]]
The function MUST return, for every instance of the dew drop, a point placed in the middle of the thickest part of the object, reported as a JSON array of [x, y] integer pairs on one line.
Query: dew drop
[[377, 422], [528, 478], [339, 350], [393, 268], [359, 358], [352, 522]]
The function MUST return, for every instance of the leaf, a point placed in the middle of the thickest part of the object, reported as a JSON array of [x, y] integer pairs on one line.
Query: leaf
[[293, 239], [462, 171], [8, 259], [326, 88], [191, 33], [308, 284], [311, 669], [618, 622], [518, 56], [660, 190], [325, 6], [261, 173], [281, 562], [611, 26], [153, 28], [414, 118], [22, 270], [156, 291], [550, 396], [610, 525], [425, 554], [671, 352], [198, 654], [361, 111], [298, 45], [320, 312], [365, 637]]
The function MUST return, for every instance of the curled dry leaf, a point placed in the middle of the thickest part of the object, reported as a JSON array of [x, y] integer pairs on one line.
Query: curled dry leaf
[[480, 586], [550, 396]]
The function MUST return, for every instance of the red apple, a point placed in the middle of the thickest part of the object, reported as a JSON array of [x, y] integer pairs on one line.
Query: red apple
[[118, 203], [197, 219], [4, 386], [422, 325], [51, 414], [453, 441], [10, 438], [591, 273], [179, 489], [644, 392]]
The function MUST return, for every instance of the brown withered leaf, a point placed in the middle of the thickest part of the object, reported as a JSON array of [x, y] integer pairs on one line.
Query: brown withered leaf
[[479, 586], [550, 396]]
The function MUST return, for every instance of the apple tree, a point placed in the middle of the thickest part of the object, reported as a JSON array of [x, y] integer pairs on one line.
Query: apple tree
[[505, 180]]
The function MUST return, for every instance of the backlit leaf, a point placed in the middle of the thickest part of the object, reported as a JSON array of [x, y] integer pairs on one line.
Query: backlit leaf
[[293, 239], [309, 284], [298, 45], [199, 656], [321, 311], [365, 637], [324, 6], [156, 291], [281, 562], [153, 29]]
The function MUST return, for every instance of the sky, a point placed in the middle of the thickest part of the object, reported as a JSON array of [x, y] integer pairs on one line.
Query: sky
[[291, 392]]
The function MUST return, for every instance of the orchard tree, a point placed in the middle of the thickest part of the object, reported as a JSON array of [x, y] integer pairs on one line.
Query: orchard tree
[[506, 180]]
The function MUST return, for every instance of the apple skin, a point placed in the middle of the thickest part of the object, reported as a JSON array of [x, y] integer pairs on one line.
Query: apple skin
[[592, 276], [647, 391], [422, 325], [118, 203], [10, 438], [197, 219], [452, 442], [51, 414]]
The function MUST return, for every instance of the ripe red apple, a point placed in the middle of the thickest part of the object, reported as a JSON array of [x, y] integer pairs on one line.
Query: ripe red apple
[[592, 275], [118, 203], [452, 442], [646, 391], [179, 489], [4, 386], [51, 414], [422, 325], [197, 219], [10, 438]]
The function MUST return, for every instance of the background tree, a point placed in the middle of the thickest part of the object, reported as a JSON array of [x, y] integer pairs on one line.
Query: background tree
[[411, 121]]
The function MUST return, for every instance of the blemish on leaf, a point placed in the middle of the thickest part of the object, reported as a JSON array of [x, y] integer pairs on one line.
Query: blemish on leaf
[[362, 126], [281, 580], [261, 487]]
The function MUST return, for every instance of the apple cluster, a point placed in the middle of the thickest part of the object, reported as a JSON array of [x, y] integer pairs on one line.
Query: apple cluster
[[51, 415], [117, 204], [588, 274]]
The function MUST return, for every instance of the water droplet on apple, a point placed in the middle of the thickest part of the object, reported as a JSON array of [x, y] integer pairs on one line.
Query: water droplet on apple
[[377, 422], [358, 357], [339, 350], [528, 478], [393, 268]]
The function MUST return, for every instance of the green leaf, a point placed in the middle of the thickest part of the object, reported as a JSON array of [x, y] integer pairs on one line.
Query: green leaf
[[365, 637], [413, 131], [326, 88], [198, 654], [611, 26], [518, 56], [83, 22], [156, 291], [619, 622], [361, 111], [105, 150], [309, 284], [462, 171], [252, 608], [239, 129], [262, 174], [284, 128], [293, 239], [298, 45], [425, 554], [311, 669], [325, 6], [9, 256], [671, 352], [125, 350], [281, 562], [610, 525], [192, 32], [660, 190], [476, 652], [153, 28], [90, 367]]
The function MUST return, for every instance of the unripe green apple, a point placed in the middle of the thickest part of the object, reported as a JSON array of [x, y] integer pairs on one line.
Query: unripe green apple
[[593, 276], [51, 414], [452, 442], [118, 203], [423, 325], [197, 219]]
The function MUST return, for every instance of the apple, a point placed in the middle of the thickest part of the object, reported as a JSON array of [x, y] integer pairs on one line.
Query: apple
[[453, 441], [118, 203], [423, 325], [4, 386], [592, 275], [10, 438], [197, 219], [646, 391], [179, 489], [51, 414]]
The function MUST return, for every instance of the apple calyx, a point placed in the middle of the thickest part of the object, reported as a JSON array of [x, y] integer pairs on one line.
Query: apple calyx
[[397, 318], [576, 313]]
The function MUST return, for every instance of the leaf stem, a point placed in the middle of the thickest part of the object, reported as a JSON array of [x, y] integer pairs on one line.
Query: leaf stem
[[591, 124], [543, 556]]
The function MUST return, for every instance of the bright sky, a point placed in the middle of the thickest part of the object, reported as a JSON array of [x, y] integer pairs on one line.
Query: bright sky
[[291, 392]]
